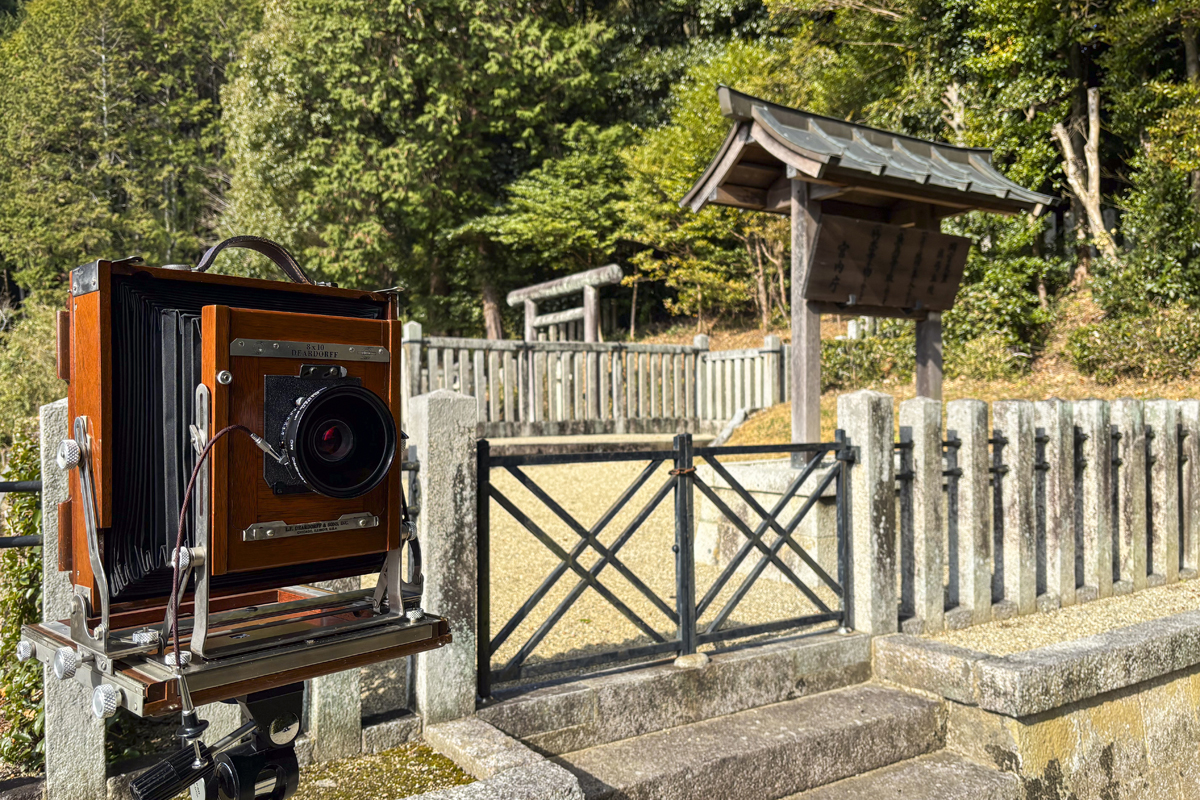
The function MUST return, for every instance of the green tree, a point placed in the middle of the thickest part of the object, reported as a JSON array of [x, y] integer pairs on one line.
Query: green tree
[[719, 260], [364, 134], [109, 131], [560, 217]]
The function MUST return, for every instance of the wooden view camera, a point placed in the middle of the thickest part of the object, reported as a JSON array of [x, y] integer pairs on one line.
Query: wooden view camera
[[291, 391]]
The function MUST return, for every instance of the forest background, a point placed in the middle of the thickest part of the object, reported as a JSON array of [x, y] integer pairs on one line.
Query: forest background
[[462, 148]]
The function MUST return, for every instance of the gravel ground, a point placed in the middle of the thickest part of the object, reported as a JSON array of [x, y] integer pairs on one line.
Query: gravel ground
[[1076, 622], [403, 771], [519, 563]]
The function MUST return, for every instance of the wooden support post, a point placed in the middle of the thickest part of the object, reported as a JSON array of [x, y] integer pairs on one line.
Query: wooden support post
[[530, 315], [591, 314], [806, 325], [929, 356]]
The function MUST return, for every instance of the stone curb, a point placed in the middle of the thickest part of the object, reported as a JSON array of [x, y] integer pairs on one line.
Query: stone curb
[[1023, 684], [564, 717], [505, 768]]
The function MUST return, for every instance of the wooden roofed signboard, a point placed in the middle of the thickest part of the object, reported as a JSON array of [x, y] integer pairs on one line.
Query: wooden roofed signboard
[[866, 207], [875, 269]]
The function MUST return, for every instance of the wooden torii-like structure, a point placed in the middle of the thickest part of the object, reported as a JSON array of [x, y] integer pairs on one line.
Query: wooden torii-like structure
[[854, 193]]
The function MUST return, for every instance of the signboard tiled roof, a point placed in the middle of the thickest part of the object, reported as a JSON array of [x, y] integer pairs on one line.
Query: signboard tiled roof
[[771, 144]]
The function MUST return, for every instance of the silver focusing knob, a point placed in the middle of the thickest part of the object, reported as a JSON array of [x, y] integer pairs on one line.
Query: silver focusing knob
[[184, 655], [66, 661], [67, 456], [184, 556], [145, 636], [106, 700], [415, 614], [25, 650]]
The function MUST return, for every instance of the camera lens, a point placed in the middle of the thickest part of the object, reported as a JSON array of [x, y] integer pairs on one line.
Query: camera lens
[[335, 442], [340, 440]]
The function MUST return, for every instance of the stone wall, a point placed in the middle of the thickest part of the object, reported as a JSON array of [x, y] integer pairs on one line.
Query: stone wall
[[1115, 715]]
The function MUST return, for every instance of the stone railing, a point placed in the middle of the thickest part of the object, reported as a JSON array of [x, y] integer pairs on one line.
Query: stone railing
[[548, 387], [1053, 503]]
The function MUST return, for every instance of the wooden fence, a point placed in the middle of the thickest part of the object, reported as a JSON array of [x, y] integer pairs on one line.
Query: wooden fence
[[547, 388]]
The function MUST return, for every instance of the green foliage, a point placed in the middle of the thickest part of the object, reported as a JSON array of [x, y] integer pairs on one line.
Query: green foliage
[[990, 357], [1164, 346], [109, 131], [463, 147], [1000, 294], [889, 356], [28, 377], [712, 259], [22, 723], [563, 214], [364, 133], [1162, 231]]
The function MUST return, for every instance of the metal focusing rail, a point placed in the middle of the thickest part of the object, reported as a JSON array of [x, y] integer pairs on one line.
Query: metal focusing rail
[[20, 487], [685, 613]]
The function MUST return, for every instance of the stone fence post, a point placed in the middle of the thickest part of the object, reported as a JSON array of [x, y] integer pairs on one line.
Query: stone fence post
[[1162, 423], [442, 427], [75, 764], [1189, 417], [1095, 517], [335, 703], [921, 429], [1129, 424], [1055, 425], [1016, 537], [971, 516], [866, 417]]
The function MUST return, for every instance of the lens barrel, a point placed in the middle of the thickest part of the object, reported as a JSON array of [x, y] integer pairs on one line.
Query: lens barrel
[[340, 441]]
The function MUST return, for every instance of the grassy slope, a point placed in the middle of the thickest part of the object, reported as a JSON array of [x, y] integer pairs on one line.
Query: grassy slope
[[1051, 375]]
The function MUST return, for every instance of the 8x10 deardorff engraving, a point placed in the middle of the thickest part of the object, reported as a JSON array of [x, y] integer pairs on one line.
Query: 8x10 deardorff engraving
[[270, 348]]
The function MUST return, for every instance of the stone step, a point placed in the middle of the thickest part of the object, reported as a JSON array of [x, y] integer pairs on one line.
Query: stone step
[[937, 776], [765, 753]]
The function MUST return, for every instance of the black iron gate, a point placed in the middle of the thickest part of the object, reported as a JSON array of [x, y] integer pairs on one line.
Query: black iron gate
[[831, 460]]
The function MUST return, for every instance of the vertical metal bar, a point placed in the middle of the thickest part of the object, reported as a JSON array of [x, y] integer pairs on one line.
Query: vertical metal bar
[[685, 561], [483, 636], [952, 544], [843, 508]]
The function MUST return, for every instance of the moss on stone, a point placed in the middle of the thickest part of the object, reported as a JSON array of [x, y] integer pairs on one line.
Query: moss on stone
[[400, 772]]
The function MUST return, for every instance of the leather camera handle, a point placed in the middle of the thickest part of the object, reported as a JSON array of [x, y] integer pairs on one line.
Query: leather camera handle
[[272, 250]]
